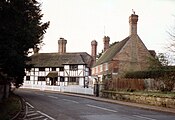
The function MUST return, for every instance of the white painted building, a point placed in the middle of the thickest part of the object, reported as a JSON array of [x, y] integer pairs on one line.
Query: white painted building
[[59, 68]]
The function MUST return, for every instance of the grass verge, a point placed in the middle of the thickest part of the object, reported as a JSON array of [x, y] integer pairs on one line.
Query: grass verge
[[9, 107]]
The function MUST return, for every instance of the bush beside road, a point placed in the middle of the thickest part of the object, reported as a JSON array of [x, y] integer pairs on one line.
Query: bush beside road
[[10, 107]]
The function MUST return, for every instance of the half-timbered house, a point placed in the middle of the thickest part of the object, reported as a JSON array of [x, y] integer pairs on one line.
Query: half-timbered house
[[60, 68]]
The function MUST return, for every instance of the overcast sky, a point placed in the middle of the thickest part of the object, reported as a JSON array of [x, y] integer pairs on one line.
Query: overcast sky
[[81, 21]]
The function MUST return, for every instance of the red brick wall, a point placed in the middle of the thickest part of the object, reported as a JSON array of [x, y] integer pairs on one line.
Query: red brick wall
[[134, 56]]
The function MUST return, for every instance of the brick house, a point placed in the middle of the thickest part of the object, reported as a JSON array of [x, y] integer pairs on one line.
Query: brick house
[[130, 54]]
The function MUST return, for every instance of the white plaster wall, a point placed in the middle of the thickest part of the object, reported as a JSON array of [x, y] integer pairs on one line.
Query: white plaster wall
[[80, 66], [81, 81], [66, 66]]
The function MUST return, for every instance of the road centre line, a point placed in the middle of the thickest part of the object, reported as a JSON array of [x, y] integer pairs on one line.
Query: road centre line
[[70, 100], [102, 108], [147, 118], [29, 105], [53, 97], [46, 115]]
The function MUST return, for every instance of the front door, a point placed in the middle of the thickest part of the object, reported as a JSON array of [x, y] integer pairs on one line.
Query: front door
[[53, 81]]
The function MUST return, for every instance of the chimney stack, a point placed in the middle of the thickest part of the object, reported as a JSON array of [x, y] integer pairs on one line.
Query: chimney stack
[[94, 50], [62, 45], [133, 24], [106, 40]]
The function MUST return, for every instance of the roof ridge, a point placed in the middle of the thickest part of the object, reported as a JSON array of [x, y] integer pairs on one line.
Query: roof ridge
[[112, 51]]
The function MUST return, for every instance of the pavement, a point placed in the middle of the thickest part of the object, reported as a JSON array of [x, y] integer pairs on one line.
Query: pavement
[[143, 106]]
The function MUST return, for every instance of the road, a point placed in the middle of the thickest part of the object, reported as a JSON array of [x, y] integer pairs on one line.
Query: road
[[54, 106]]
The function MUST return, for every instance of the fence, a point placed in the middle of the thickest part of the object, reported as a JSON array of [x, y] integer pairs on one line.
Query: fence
[[70, 88], [124, 84], [133, 84]]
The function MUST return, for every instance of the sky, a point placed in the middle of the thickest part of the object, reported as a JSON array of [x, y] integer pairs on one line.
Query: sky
[[81, 21]]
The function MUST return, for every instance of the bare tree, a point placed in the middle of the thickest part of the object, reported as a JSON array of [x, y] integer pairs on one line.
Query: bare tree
[[171, 33]]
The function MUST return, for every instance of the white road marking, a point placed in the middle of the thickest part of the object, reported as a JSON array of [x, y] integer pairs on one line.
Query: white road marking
[[46, 119], [70, 100], [35, 118], [32, 114], [31, 111], [29, 105], [101, 108], [46, 115], [53, 97], [147, 118]]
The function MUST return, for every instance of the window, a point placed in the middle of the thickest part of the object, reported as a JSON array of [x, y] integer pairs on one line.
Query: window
[[61, 68], [115, 70], [73, 67], [27, 78], [28, 69], [41, 78], [53, 69], [72, 79], [61, 79], [106, 66], [101, 68], [41, 69]]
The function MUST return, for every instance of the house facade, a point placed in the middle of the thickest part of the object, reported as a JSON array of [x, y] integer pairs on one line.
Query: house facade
[[128, 55], [60, 68]]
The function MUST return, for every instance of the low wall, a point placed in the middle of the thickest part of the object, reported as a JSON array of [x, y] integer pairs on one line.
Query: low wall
[[141, 98]]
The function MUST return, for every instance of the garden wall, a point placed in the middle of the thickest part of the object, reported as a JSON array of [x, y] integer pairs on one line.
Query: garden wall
[[151, 99]]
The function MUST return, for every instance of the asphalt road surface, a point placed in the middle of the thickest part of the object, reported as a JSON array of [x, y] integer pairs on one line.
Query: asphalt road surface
[[54, 106]]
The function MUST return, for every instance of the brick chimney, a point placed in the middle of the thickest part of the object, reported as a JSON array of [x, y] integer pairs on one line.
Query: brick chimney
[[94, 50], [62, 45], [106, 40], [133, 24]]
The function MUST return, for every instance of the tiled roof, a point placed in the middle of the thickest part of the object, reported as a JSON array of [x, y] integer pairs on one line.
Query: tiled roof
[[111, 52], [58, 60]]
